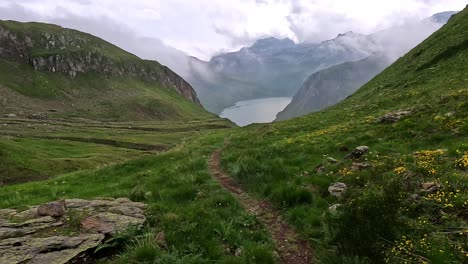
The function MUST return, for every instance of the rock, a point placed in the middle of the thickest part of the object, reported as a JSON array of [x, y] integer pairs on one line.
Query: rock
[[393, 116], [161, 239], [110, 223], [50, 250], [357, 152], [10, 115], [337, 189], [334, 209], [55, 209], [413, 198], [332, 160], [38, 116], [123, 200], [238, 252], [356, 166], [27, 214], [77, 203], [30, 236], [127, 210], [430, 187]]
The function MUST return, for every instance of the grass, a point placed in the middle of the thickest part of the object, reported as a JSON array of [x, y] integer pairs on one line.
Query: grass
[[377, 213], [385, 215], [201, 221]]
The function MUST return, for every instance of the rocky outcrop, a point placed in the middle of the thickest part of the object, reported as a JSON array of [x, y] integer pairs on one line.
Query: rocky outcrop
[[71, 52], [337, 189], [393, 116], [36, 235]]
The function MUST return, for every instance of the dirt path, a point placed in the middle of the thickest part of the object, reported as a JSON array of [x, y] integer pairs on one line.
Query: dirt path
[[290, 247]]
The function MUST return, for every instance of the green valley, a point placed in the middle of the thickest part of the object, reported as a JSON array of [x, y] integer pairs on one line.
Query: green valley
[[381, 177]]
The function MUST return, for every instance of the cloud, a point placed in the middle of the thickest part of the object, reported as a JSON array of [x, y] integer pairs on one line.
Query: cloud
[[204, 27]]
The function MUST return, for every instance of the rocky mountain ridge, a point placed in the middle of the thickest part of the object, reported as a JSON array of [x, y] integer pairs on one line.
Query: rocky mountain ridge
[[71, 52]]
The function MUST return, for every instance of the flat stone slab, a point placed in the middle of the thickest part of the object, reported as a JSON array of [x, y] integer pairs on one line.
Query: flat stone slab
[[34, 235]]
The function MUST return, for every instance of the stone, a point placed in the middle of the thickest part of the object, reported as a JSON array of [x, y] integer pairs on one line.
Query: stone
[[123, 200], [430, 187], [31, 236], [393, 117], [337, 189], [127, 210], [77, 203], [11, 115], [50, 250], [358, 152], [334, 209], [110, 223], [27, 214], [161, 239], [55, 209], [332, 160], [356, 166]]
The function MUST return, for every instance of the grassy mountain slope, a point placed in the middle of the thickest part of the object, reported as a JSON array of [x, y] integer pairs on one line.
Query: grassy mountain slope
[[328, 87], [45, 67], [384, 216]]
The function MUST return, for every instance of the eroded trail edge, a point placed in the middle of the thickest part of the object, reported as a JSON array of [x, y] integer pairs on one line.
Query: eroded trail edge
[[290, 247]]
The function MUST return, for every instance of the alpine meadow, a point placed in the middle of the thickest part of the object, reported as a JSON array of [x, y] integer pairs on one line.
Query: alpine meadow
[[106, 157]]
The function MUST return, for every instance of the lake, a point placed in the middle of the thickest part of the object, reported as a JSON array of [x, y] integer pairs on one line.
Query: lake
[[261, 110]]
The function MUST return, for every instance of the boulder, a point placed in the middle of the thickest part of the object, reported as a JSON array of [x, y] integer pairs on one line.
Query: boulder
[[393, 117], [55, 209], [31, 236], [110, 223], [10, 115], [53, 250], [337, 189], [356, 166], [358, 152], [332, 160], [430, 187]]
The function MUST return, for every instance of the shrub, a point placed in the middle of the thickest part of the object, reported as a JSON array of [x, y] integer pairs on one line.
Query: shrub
[[368, 219]]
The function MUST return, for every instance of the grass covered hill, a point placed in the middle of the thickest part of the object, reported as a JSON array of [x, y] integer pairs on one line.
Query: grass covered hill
[[47, 68], [405, 199]]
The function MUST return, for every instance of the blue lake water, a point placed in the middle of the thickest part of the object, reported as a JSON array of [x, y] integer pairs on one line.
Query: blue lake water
[[261, 110]]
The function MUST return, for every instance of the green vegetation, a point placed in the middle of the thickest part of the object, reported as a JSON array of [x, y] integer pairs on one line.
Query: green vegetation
[[406, 201], [385, 215]]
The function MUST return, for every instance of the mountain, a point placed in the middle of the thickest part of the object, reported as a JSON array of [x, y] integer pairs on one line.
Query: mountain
[[47, 68], [329, 86], [278, 67], [380, 177]]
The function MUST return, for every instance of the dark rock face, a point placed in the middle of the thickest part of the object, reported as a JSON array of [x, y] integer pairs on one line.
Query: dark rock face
[[73, 53]]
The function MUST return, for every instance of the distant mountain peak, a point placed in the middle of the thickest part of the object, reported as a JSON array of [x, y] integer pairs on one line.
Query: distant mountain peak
[[442, 17], [346, 34], [272, 42]]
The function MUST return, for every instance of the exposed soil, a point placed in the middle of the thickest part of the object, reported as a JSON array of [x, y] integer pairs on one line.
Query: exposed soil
[[290, 247]]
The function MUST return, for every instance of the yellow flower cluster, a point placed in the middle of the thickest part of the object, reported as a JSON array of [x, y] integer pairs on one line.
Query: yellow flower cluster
[[445, 198], [426, 159], [403, 250], [462, 162], [400, 170], [345, 172]]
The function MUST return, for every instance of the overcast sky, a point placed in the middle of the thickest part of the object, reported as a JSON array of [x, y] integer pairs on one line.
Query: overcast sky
[[203, 28]]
